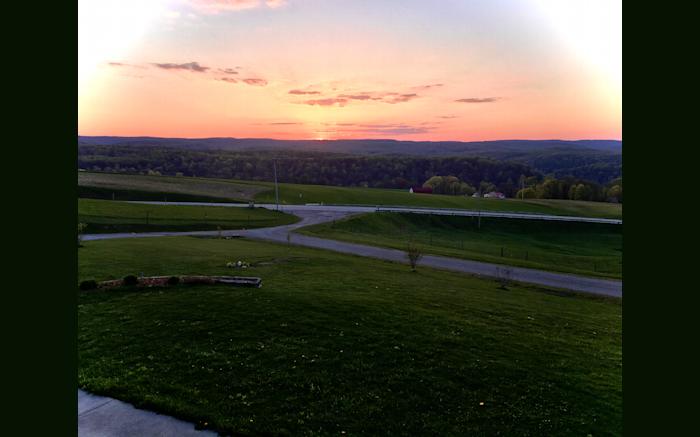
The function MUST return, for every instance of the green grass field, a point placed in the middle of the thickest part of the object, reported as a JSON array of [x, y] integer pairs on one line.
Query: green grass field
[[583, 248], [133, 186], [109, 216], [299, 194], [143, 187], [334, 344]]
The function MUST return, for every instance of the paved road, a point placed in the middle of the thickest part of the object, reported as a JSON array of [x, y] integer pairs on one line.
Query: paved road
[[99, 416], [280, 234], [358, 209]]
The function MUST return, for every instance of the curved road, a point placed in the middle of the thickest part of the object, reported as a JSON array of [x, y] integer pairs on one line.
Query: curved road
[[359, 209], [311, 216]]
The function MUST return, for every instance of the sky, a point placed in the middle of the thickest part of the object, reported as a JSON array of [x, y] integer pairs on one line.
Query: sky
[[331, 69]]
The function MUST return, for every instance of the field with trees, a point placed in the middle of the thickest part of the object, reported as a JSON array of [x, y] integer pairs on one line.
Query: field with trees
[[101, 216], [590, 249], [335, 344], [332, 169], [132, 187]]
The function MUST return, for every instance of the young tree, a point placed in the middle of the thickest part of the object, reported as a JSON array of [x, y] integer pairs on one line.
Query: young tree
[[414, 255], [81, 229]]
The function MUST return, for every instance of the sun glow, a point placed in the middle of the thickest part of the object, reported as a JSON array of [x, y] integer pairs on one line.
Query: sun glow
[[592, 29], [108, 28]]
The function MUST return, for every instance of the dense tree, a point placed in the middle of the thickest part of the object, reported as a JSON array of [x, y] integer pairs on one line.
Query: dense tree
[[527, 193], [449, 185], [464, 173]]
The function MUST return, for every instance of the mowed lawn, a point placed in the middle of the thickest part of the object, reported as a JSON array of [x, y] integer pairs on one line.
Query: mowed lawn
[[112, 216], [141, 187], [118, 186], [299, 194], [343, 345], [591, 249]]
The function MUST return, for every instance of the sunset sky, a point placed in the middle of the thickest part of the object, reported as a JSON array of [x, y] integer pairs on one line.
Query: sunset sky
[[327, 69]]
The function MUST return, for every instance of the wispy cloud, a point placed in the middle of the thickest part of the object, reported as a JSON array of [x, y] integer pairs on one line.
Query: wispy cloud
[[284, 123], [400, 98], [360, 96], [429, 86], [228, 79], [303, 92], [216, 6], [188, 66], [331, 101], [446, 117], [254, 81], [228, 70], [124, 64], [343, 99], [478, 100], [354, 129]]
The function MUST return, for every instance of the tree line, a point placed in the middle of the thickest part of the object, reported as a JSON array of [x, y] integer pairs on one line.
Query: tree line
[[303, 167]]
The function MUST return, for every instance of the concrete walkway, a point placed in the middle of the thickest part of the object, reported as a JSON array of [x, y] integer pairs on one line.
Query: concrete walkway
[[99, 416]]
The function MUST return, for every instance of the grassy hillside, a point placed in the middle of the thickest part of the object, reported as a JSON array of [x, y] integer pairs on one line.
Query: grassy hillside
[[263, 192], [194, 189], [582, 248], [109, 216], [299, 194], [335, 344]]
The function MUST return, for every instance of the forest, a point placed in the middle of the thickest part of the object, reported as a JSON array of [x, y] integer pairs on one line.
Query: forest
[[309, 167]]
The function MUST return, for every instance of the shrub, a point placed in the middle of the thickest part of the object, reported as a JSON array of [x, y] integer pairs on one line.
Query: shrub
[[130, 280], [90, 284], [414, 255], [173, 280]]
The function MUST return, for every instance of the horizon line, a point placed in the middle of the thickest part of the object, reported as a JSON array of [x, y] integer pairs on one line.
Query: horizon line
[[349, 139]]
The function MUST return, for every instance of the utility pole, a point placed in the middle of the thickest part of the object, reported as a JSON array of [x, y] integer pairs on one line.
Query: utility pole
[[277, 196]]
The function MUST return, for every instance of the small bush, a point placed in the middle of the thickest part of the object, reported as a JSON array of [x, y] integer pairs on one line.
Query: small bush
[[130, 280], [173, 280], [90, 284], [414, 255]]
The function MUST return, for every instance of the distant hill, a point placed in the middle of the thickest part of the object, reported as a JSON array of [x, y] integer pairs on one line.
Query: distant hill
[[595, 160], [381, 147]]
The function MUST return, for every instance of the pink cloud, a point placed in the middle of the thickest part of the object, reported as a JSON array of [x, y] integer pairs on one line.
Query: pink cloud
[[216, 6], [303, 92], [255, 81], [478, 100], [327, 102], [400, 98]]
